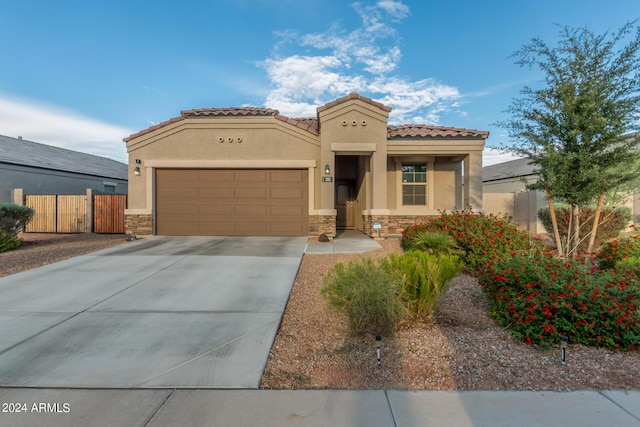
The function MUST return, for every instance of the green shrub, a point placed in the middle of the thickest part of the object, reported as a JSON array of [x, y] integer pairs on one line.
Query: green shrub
[[8, 242], [425, 278], [631, 264], [541, 298], [435, 243], [618, 249], [368, 293], [14, 217], [480, 237], [612, 222]]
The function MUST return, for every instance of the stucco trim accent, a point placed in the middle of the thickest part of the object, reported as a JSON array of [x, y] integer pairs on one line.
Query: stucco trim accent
[[375, 212], [353, 147], [324, 212], [232, 164], [138, 212]]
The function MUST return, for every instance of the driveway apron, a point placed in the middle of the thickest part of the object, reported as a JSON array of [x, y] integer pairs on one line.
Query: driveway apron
[[184, 312]]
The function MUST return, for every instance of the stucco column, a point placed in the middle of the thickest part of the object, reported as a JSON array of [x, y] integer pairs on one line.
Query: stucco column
[[327, 189], [17, 196], [379, 181], [473, 180]]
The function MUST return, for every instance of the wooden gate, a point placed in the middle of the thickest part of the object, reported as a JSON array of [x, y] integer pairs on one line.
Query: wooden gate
[[44, 217], [108, 213], [57, 213]]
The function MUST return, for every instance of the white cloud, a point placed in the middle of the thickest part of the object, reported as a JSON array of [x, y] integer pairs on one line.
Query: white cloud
[[363, 60], [55, 126], [394, 8]]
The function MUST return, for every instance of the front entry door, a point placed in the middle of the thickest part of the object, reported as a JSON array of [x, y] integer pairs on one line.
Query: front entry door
[[345, 205]]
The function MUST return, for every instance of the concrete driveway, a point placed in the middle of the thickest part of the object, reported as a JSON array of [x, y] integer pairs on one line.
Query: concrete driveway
[[185, 312]]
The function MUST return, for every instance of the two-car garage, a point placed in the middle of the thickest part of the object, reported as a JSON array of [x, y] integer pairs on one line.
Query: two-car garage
[[232, 202]]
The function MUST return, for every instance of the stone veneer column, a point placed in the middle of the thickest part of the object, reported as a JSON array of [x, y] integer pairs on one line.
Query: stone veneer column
[[367, 225], [322, 224], [138, 224]]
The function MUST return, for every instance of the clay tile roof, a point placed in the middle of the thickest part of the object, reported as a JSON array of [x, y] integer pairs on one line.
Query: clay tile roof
[[152, 128], [242, 111], [353, 95], [204, 112], [309, 124], [424, 131]]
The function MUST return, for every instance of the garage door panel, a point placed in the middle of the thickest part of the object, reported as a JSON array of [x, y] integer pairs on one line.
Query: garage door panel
[[288, 176], [286, 210], [251, 193], [232, 202], [287, 193], [251, 176], [219, 176], [251, 210], [288, 229], [214, 193], [207, 210]]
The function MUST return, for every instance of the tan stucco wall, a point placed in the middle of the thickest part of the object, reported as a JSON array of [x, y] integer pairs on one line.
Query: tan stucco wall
[[447, 191], [355, 128], [195, 142]]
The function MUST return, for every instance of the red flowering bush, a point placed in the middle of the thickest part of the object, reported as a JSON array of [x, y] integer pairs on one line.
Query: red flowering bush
[[541, 298], [482, 238], [617, 249]]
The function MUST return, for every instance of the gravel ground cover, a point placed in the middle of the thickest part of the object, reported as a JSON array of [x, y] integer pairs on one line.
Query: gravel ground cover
[[44, 248], [458, 348]]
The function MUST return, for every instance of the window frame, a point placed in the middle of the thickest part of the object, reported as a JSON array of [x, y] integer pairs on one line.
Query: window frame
[[427, 208]]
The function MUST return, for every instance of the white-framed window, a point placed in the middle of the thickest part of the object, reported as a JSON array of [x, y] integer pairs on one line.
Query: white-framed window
[[414, 184]]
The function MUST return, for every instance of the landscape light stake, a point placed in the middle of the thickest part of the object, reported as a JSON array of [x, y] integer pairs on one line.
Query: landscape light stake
[[378, 338], [563, 348]]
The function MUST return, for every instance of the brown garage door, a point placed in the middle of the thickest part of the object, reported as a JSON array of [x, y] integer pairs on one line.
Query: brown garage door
[[208, 202]]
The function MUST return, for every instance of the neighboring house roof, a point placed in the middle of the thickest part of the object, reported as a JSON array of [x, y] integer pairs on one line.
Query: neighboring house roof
[[33, 154], [512, 169], [310, 124]]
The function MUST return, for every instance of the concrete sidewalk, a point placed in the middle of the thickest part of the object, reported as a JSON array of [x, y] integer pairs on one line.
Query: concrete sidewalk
[[345, 242], [165, 407]]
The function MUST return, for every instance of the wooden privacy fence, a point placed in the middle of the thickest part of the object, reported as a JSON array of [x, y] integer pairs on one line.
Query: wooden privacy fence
[[108, 213], [100, 213]]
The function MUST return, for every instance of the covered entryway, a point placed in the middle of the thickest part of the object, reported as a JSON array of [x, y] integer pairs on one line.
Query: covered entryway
[[350, 190], [226, 202]]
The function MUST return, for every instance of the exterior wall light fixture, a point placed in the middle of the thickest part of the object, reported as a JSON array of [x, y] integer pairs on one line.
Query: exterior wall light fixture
[[327, 169], [136, 171]]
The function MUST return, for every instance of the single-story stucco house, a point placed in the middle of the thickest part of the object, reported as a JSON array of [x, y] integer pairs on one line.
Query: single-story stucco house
[[44, 169], [252, 171]]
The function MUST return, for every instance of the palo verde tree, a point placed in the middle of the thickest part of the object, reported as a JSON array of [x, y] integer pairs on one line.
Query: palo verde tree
[[576, 127]]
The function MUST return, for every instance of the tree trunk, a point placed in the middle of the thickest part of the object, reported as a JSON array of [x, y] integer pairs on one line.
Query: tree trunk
[[594, 229], [575, 214], [554, 222]]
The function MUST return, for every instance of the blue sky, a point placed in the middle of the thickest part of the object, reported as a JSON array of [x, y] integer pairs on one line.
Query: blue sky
[[83, 75]]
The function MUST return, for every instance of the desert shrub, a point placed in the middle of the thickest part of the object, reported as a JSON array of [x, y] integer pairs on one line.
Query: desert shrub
[[631, 264], [13, 218], [618, 249], [541, 298], [480, 237], [8, 242], [435, 243], [426, 278], [612, 222], [368, 293]]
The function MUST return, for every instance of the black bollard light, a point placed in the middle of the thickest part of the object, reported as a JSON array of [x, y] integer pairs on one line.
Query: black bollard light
[[378, 338], [563, 348]]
